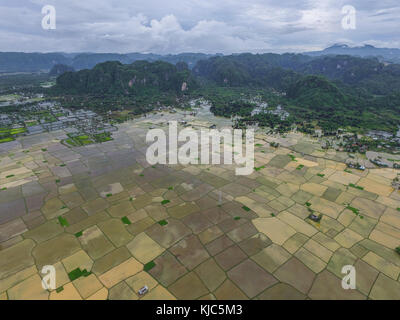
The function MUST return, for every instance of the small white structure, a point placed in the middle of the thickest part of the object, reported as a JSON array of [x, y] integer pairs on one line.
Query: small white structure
[[143, 291]]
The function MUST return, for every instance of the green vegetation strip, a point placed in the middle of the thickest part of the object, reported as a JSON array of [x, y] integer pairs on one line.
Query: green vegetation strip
[[79, 234], [85, 139], [77, 273], [355, 186], [163, 222], [356, 211], [63, 221], [148, 266], [59, 289], [8, 139], [126, 220], [165, 202]]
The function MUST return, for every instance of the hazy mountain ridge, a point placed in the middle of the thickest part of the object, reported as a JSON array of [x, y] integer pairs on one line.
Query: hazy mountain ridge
[[30, 62], [384, 54], [60, 69], [43, 62]]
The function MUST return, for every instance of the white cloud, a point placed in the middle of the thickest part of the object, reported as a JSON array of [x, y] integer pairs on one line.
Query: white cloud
[[196, 25]]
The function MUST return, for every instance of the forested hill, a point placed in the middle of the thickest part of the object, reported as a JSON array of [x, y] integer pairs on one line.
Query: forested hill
[[279, 71], [315, 92], [345, 77], [365, 73], [357, 76], [329, 91], [115, 78], [248, 70]]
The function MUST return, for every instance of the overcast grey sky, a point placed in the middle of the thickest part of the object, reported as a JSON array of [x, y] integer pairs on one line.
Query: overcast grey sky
[[210, 26]]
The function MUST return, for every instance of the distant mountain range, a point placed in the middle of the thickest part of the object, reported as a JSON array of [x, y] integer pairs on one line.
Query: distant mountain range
[[384, 54], [44, 62]]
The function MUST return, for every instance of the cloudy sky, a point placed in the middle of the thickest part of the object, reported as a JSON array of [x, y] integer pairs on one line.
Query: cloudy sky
[[209, 26]]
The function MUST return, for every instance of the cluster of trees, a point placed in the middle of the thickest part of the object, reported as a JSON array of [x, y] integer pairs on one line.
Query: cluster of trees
[[103, 103], [234, 108], [9, 83]]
